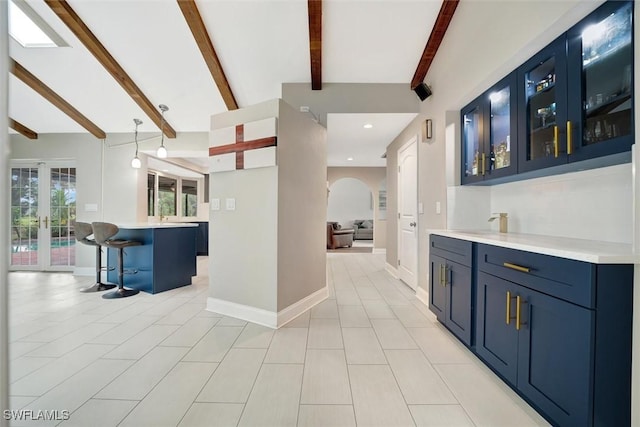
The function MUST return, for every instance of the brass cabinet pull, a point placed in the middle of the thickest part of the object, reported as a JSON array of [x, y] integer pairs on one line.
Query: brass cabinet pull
[[519, 321], [569, 144], [441, 274], [516, 267], [484, 163], [446, 273], [555, 141], [508, 307]]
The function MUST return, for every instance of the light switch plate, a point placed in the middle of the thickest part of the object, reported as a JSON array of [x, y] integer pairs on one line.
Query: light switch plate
[[438, 208], [215, 204], [420, 208], [231, 204]]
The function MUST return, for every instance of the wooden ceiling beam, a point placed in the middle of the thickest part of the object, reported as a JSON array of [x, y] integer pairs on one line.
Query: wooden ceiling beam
[[47, 93], [201, 36], [314, 8], [97, 49], [435, 38], [22, 129]]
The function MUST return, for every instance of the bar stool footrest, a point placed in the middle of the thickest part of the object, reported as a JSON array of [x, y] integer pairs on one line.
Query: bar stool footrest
[[120, 293]]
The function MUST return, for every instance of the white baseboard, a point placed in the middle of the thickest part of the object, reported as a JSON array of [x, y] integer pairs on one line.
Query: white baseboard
[[382, 251], [245, 312], [263, 317], [84, 271], [422, 295], [296, 309], [391, 269]]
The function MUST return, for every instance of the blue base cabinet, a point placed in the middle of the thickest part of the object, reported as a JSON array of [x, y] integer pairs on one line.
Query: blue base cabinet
[[559, 332], [451, 285]]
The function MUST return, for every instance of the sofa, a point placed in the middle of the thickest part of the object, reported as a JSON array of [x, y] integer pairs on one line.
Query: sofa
[[363, 229], [338, 237]]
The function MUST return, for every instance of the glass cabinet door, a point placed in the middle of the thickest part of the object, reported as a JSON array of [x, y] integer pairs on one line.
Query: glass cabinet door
[[502, 117], [542, 81], [601, 63], [473, 157]]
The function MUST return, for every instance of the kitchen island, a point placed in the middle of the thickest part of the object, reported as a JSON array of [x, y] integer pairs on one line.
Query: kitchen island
[[165, 260]]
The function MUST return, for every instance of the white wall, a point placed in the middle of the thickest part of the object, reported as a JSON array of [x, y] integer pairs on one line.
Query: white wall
[[4, 222], [349, 199]]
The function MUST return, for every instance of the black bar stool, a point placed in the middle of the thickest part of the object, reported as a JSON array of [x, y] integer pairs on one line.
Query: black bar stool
[[103, 232], [82, 231]]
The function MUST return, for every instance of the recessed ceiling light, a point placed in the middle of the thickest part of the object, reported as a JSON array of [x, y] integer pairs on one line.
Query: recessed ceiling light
[[165, 170], [368, 126], [350, 159]]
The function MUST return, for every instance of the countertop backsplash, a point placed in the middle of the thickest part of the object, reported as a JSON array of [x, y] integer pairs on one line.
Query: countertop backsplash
[[595, 204]]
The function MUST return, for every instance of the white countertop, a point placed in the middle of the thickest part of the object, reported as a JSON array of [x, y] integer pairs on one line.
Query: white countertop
[[140, 225], [582, 250]]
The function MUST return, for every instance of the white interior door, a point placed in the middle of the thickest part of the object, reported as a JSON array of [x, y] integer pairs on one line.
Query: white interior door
[[408, 213], [43, 212]]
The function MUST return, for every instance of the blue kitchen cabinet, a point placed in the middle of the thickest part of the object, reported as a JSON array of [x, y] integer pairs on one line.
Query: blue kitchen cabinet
[[600, 70], [488, 125], [542, 112], [571, 102], [496, 338], [559, 332], [451, 285]]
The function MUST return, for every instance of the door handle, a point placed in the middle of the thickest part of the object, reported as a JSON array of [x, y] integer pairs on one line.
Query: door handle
[[412, 224], [38, 222], [46, 222]]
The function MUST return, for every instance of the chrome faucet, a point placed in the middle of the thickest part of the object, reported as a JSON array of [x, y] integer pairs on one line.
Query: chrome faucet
[[502, 216]]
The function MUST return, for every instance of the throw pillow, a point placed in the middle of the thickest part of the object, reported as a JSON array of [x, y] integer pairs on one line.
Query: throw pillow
[[367, 224]]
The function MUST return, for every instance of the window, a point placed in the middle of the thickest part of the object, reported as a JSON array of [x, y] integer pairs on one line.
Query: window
[[29, 29], [189, 198], [151, 194], [172, 196], [167, 200]]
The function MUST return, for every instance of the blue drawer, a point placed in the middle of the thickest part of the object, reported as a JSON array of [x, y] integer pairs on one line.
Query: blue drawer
[[456, 250], [567, 279]]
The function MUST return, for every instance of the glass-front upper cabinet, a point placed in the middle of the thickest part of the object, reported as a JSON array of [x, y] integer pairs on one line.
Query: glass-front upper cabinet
[[473, 156], [488, 124], [503, 112], [542, 82], [600, 66]]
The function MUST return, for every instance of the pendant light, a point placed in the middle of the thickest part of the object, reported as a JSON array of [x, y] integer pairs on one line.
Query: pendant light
[[162, 152], [135, 162]]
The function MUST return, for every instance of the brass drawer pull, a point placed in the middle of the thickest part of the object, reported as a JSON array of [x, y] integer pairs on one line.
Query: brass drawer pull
[[516, 267], [508, 307], [518, 313]]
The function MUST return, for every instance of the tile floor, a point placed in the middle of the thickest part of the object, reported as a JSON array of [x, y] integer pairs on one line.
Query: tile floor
[[371, 354]]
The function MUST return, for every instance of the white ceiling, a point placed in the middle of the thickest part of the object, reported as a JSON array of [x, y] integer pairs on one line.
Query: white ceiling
[[348, 139], [260, 43]]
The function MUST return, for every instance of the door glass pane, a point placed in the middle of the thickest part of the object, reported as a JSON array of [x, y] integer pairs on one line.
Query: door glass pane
[[151, 194], [24, 216], [189, 198], [607, 77], [541, 111], [500, 129], [167, 196], [63, 216], [471, 135]]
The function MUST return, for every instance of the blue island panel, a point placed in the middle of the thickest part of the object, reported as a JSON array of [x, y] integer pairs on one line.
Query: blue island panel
[[165, 260]]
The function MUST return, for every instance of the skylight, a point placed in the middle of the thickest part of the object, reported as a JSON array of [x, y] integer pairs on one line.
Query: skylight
[[28, 29]]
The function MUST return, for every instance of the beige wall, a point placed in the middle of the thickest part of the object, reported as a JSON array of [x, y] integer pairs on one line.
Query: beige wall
[[302, 214], [269, 253], [351, 98], [373, 177], [488, 43]]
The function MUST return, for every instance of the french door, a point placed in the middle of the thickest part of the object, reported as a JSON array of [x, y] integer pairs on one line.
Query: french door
[[43, 213]]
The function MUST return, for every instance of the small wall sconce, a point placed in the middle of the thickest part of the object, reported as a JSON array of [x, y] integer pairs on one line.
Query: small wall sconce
[[427, 129]]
